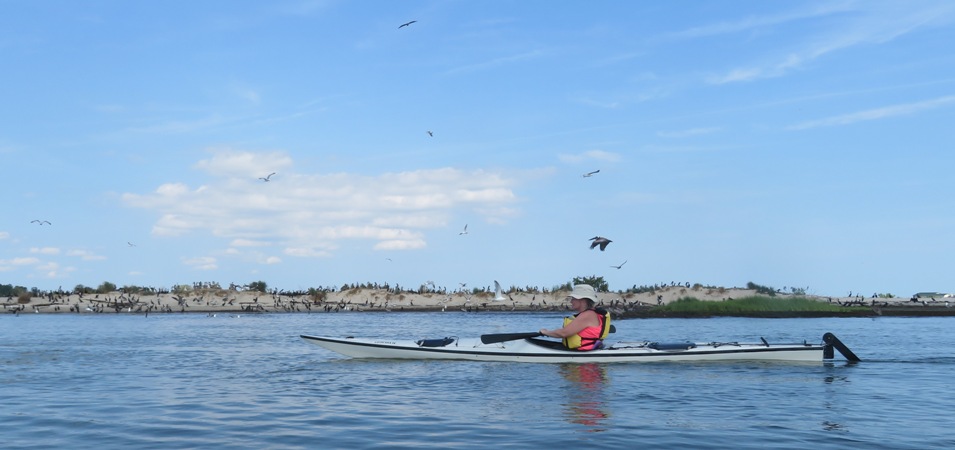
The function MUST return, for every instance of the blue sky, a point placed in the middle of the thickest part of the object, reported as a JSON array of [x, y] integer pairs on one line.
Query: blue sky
[[804, 144]]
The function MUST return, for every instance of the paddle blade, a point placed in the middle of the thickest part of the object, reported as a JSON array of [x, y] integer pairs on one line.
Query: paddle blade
[[504, 337]]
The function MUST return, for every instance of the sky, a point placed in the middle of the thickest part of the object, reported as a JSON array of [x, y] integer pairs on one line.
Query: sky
[[789, 144]]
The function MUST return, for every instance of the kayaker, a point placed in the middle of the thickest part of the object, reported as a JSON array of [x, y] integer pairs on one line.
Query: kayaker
[[586, 329]]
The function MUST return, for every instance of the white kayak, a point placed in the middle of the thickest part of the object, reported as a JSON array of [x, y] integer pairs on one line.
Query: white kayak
[[524, 347]]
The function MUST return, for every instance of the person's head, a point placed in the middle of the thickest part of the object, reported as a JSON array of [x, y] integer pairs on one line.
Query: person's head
[[585, 294]]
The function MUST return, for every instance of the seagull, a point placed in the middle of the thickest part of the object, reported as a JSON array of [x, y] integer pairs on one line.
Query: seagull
[[590, 174], [41, 222], [406, 24], [130, 244], [267, 178], [498, 294], [621, 265], [601, 241], [465, 230]]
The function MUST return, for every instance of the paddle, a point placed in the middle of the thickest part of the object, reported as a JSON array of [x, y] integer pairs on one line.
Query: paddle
[[503, 337]]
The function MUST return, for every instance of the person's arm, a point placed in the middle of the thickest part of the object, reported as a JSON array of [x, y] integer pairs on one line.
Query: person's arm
[[584, 320]]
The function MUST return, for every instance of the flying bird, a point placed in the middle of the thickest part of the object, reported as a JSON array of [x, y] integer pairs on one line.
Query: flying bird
[[130, 244], [268, 177], [430, 133], [590, 174], [601, 241], [498, 293], [465, 231], [41, 222], [621, 265], [406, 24]]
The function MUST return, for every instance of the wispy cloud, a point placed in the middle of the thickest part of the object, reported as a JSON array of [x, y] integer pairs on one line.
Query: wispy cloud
[[4, 235], [751, 23], [868, 23], [45, 250], [201, 262], [85, 255], [589, 155], [876, 113], [688, 133], [496, 62]]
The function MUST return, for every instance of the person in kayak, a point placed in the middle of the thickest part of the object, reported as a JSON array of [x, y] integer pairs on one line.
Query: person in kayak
[[586, 330]]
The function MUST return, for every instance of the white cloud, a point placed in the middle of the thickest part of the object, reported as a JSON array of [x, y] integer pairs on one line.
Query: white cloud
[[310, 214], [688, 133], [45, 250], [228, 162], [4, 235], [28, 261], [589, 155], [876, 113], [201, 262], [86, 255]]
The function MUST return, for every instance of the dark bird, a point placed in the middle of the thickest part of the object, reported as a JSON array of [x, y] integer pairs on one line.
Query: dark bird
[[41, 222], [601, 241], [406, 24], [267, 178], [621, 265], [130, 244], [590, 174], [430, 133]]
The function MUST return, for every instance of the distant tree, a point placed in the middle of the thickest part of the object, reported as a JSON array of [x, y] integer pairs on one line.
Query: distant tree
[[258, 286], [81, 289], [597, 282], [105, 287]]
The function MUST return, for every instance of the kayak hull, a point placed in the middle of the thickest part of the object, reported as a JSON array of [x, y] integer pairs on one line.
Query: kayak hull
[[544, 351]]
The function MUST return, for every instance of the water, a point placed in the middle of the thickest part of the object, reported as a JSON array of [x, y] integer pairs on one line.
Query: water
[[191, 381]]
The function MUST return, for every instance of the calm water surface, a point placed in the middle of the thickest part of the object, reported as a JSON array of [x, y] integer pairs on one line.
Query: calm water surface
[[190, 381]]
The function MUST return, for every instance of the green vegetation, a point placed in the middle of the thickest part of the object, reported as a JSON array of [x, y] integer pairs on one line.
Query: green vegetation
[[258, 286], [9, 290], [748, 305]]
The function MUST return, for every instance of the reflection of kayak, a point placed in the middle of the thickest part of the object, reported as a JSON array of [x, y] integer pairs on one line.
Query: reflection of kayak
[[520, 347]]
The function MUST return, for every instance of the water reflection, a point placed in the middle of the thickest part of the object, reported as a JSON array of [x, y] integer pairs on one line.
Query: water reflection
[[586, 404]]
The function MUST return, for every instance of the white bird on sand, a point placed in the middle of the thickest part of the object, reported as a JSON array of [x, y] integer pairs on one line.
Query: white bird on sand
[[267, 177], [498, 293], [465, 231], [590, 174]]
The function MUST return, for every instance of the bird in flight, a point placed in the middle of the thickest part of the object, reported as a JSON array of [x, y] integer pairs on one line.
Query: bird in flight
[[498, 292], [41, 222], [130, 244], [406, 24], [621, 265], [601, 241], [465, 231], [430, 133], [590, 174], [267, 178]]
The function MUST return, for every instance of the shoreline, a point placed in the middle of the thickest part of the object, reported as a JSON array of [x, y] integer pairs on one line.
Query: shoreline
[[621, 305]]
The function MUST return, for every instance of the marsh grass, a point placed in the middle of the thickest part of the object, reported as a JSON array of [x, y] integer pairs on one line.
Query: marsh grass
[[749, 305]]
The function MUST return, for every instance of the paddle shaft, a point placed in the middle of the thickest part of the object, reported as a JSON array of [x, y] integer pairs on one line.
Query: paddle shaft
[[503, 337]]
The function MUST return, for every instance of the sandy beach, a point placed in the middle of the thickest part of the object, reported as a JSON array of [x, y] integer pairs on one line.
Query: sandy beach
[[216, 301]]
